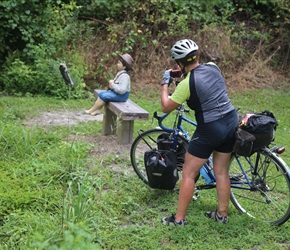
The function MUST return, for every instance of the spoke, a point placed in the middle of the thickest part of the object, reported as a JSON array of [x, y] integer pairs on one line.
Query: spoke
[[242, 196]]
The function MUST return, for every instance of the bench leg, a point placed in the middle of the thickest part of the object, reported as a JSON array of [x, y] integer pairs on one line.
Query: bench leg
[[109, 122], [112, 125], [125, 131]]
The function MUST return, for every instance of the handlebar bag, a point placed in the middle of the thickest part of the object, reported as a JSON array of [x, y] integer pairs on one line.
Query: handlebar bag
[[161, 169]]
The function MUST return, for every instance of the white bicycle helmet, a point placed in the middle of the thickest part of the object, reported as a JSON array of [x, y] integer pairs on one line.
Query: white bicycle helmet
[[183, 49]]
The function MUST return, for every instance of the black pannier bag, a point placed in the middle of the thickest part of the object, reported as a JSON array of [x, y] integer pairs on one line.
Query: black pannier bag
[[164, 142], [255, 131], [244, 142], [161, 169]]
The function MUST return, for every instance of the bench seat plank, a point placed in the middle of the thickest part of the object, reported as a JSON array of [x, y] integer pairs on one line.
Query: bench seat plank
[[128, 110]]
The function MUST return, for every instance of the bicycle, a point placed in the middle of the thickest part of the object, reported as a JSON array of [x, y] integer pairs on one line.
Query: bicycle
[[260, 184]]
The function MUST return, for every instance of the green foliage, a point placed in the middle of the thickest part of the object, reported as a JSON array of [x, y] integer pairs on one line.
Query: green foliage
[[18, 142], [39, 34], [18, 77], [43, 76], [77, 207], [237, 30], [159, 19], [264, 26], [30, 22], [36, 35], [23, 189], [38, 182]]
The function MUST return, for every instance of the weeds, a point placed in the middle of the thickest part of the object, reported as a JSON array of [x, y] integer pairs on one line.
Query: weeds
[[78, 203]]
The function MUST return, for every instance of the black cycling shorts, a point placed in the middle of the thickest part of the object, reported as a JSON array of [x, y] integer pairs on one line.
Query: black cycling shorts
[[217, 135]]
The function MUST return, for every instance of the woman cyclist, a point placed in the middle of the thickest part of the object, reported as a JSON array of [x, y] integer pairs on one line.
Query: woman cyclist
[[204, 90]]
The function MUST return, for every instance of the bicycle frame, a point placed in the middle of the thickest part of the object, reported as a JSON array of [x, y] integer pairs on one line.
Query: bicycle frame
[[178, 127], [205, 171]]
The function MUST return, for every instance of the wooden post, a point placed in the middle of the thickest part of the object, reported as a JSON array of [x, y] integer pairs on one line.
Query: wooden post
[[125, 131], [109, 122]]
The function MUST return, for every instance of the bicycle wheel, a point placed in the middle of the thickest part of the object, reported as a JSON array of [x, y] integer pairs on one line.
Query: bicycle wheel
[[147, 141], [267, 198]]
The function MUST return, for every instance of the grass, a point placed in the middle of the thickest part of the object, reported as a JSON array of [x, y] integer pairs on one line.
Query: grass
[[55, 195]]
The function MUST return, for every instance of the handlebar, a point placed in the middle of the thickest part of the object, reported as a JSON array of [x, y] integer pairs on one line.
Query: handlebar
[[180, 110], [160, 118]]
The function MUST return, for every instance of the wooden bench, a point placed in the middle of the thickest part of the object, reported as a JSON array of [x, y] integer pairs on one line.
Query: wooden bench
[[119, 119]]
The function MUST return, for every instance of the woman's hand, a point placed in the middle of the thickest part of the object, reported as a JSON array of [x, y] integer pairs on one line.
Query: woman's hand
[[111, 84]]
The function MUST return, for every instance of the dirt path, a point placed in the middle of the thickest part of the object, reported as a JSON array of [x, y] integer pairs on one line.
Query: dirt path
[[64, 118], [104, 145]]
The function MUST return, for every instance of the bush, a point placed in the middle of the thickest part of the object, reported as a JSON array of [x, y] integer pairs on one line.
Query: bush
[[43, 76], [18, 77]]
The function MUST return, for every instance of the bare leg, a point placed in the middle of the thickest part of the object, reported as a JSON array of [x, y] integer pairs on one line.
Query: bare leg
[[97, 107], [190, 170], [220, 163]]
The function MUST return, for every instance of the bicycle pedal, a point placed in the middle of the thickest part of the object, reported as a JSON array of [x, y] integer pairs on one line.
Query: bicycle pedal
[[195, 196]]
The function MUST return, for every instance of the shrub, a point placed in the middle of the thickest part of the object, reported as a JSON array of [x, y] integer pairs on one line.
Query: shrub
[[18, 77]]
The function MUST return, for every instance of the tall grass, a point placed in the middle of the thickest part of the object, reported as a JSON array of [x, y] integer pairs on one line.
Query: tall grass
[[56, 195]]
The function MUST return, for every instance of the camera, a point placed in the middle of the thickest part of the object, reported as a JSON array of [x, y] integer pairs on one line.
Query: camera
[[175, 73]]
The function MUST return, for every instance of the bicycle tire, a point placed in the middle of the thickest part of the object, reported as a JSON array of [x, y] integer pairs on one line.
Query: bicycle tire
[[269, 197], [146, 141]]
